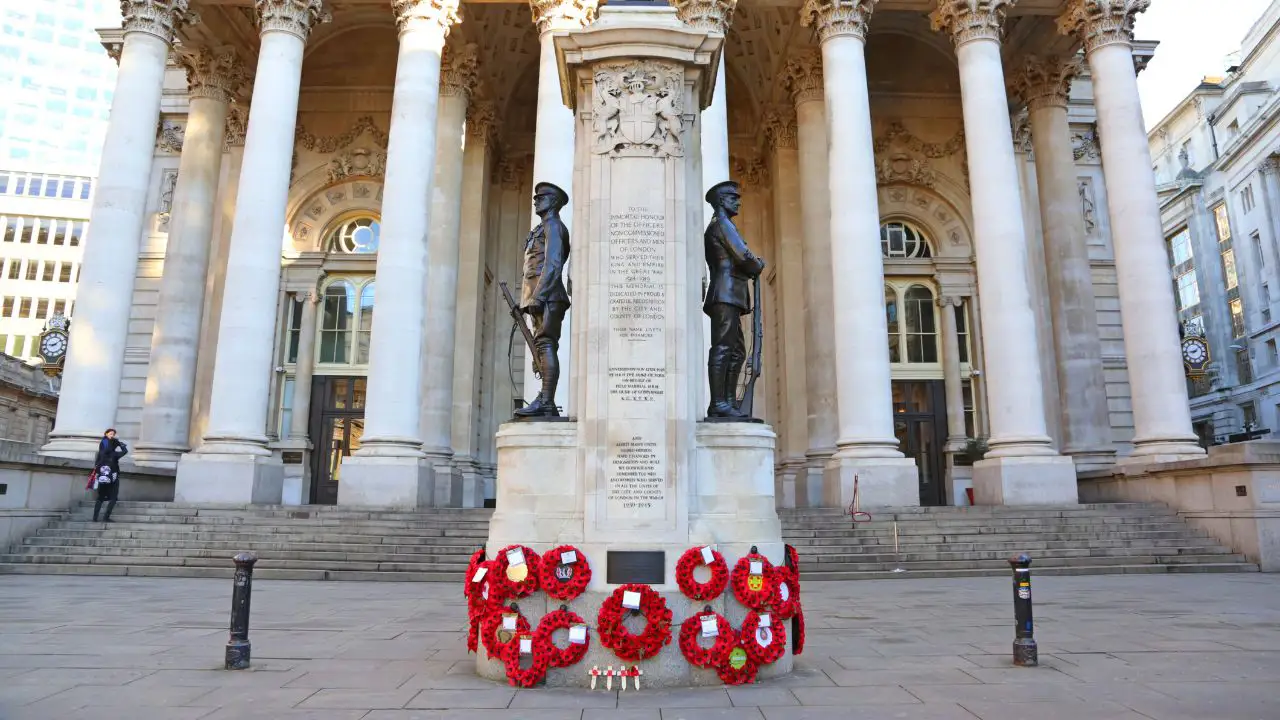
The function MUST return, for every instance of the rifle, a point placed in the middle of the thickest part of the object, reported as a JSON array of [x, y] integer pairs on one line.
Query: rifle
[[757, 342], [518, 318]]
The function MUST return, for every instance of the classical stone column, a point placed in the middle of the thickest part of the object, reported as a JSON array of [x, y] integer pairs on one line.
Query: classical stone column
[[803, 79], [1021, 465], [389, 468], [104, 296], [457, 79], [866, 446], [300, 417], [212, 79], [553, 151], [789, 237], [953, 381], [482, 120], [1044, 85], [233, 464], [1157, 381]]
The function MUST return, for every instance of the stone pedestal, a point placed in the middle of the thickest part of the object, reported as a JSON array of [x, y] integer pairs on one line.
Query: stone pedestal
[[1027, 480], [390, 481], [230, 479], [882, 482], [635, 470]]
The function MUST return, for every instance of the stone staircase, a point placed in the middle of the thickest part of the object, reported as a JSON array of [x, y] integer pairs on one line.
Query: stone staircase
[[969, 541], [332, 543]]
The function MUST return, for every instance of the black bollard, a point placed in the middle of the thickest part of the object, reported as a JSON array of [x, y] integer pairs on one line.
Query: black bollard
[[238, 645], [1024, 643]]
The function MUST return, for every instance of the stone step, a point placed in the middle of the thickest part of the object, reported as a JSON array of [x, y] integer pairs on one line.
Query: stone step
[[316, 556], [982, 529], [946, 554], [255, 528], [1135, 558], [457, 569], [471, 542], [293, 510], [1001, 546], [801, 543], [1065, 570], [981, 510], [288, 523], [370, 545]]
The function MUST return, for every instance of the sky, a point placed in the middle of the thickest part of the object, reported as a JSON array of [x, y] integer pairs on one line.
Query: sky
[[1195, 38]]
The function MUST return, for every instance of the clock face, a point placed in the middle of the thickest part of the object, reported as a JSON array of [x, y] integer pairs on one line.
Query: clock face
[[1194, 352], [53, 345]]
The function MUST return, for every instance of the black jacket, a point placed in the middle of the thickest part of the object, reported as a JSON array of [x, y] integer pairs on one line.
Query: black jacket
[[110, 450]]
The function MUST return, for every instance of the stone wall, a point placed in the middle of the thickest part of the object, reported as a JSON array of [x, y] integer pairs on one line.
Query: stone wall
[[28, 402]]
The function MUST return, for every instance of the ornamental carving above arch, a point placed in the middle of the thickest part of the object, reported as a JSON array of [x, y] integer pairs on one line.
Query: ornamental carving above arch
[[318, 210], [934, 213]]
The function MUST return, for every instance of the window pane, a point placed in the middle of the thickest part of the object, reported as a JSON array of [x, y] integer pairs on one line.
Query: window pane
[[47, 275], [295, 331], [286, 408], [366, 324], [891, 317], [922, 345], [1188, 290], [1180, 247], [11, 229], [42, 308], [24, 308], [356, 236], [962, 332], [64, 273], [1237, 318], [1229, 268], [335, 332], [1223, 224]]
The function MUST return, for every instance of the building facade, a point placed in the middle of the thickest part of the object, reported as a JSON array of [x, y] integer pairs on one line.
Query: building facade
[[44, 217], [321, 254], [28, 402], [1215, 159]]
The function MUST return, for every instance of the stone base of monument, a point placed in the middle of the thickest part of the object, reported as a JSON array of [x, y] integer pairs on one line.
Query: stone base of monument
[[542, 504]]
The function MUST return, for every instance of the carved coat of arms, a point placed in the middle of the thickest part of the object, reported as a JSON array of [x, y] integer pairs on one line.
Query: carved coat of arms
[[638, 107]]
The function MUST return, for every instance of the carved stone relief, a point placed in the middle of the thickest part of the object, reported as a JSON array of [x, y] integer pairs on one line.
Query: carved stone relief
[[638, 108], [1084, 144], [357, 162], [168, 181], [904, 158], [1088, 206], [319, 144], [169, 136]]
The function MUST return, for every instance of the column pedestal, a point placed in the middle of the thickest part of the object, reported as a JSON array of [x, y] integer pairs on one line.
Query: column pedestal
[[882, 482], [229, 479], [1025, 480], [387, 481]]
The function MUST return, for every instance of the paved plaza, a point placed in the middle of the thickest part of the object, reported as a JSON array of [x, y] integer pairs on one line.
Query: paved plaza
[[1190, 647]]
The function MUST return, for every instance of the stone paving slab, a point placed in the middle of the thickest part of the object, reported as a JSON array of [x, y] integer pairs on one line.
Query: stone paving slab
[[1152, 647]]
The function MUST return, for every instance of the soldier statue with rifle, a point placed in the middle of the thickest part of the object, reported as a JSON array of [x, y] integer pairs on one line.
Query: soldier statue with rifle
[[543, 296], [732, 268]]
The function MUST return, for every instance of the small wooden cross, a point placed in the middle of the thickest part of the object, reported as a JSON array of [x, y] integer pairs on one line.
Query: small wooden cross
[[595, 673]]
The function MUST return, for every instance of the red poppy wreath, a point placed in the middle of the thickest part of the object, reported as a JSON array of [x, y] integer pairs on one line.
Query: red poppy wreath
[[492, 624], [690, 561], [786, 592], [524, 583], [626, 645], [706, 657], [537, 670], [793, 559], [564, 580], [486, 594], [738, 667], [764, 644], [561, 619], [752, 589]]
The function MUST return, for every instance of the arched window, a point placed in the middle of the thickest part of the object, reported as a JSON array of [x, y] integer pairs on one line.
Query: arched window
[[364, 324], [336, 323], [903, 240], [356, 236], [910, 315]]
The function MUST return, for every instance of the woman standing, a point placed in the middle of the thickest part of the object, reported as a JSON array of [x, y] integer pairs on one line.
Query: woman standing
[[106, 471]]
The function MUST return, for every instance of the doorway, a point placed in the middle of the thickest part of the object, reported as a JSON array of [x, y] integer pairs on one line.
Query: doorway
[[919, 421], [337, 427]]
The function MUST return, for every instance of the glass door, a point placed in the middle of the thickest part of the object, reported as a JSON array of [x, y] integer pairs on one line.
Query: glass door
[[337, 429]]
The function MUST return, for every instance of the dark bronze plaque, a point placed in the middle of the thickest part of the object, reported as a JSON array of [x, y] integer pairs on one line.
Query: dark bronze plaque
[[648, 567], [291, 458]]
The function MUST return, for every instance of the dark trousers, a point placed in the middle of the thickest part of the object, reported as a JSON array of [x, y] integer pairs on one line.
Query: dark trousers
[[108, 492], [728, 346], [547, 324]]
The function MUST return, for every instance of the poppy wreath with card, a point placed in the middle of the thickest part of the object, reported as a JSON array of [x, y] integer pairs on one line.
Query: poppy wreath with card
[[793, 560], [738, 668], [706, 657], [561, 619], [754, 591], [578, 571], [518, 588], [786, 592], [492, 624], [626, 645], [775, 634], [488, 594], [709, 590], [537, 670]]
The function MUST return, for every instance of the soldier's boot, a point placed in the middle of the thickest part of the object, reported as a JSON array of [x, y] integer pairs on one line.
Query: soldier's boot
[[721, 392], [545, 404]]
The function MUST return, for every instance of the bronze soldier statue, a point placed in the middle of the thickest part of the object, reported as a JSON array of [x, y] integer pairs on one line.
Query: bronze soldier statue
[[732, 268], [543, 296]]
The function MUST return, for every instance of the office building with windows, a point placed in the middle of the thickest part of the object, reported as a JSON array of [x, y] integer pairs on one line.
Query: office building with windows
[[1217, 162], [44, 218]]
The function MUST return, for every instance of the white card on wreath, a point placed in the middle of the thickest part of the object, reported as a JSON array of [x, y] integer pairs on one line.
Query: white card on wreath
[[508, 622], [766, 621], [710, 628], [578, 634], [757, 567], [480, 573], [631, 600], [515, 556], [708, 554], [568, 557], [526, 646]]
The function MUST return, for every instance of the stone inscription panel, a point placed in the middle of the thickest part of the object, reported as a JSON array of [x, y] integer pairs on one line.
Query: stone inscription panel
[[636, 468]]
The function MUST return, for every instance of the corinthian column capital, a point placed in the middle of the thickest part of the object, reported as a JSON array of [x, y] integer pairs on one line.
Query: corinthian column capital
[[436, 15], [551, 15], [1043, 81], [295, 17], [802, 77], [706, 15], [1101, 22], [836, 18], [156, 17], [967, 20], [780, 127], [214, 74], [459, 69], [482, 121]]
